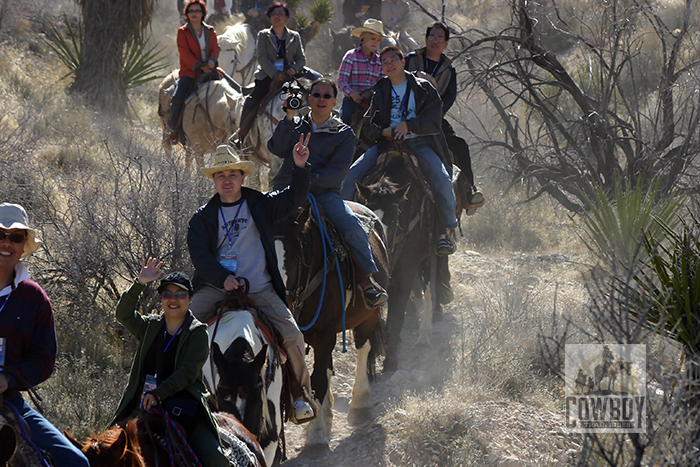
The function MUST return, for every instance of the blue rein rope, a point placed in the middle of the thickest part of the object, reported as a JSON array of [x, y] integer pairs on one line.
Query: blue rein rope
[[326, 239]]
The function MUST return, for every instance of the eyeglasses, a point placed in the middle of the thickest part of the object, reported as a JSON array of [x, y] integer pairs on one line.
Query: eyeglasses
[[195, 11], [14, 237], [436, 38], [180, 295], [389, 62], [318, 95]]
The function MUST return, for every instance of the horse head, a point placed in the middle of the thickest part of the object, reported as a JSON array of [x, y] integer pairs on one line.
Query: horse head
[[8, 443], [113, 448], [342, 42], [385, 198]]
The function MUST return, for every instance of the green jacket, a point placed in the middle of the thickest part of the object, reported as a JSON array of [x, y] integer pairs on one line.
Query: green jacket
[[192, 352]]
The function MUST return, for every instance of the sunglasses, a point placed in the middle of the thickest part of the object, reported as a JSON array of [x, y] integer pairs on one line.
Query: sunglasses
[[14, 237], [180, 295], [318, 95]]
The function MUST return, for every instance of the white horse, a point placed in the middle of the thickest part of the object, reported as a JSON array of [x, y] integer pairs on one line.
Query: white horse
[[237, 56], [247, 378], [209, 117]]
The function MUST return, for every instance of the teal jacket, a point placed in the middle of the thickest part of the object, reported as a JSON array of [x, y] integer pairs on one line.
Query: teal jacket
[[192, 352]]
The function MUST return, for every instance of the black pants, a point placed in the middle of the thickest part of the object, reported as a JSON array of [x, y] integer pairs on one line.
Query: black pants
[[460, 150]]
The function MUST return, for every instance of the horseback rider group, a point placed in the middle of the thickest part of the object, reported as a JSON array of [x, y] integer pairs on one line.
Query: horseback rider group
[[231, 236]]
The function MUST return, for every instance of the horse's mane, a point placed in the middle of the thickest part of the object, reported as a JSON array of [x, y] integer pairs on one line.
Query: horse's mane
[[238, 33]]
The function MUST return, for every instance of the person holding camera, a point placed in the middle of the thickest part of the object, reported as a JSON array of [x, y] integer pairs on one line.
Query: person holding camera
[[167, 365], [331, 145], [280, 59]]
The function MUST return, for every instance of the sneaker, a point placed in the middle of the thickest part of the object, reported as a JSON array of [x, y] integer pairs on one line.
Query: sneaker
[[375, 296], [446, 245], [303, 411]]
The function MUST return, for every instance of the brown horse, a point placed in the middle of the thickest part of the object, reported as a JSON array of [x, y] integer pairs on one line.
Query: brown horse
[[15, 449], [138, 443], [398, 192], [209, 118], [314, 282]]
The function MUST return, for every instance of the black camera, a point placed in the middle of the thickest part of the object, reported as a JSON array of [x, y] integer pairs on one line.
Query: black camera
[[295, 95]]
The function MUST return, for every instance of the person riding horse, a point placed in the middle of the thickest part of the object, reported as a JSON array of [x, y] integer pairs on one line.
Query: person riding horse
[[27, 328], [280, 59], [231, 237], [356, 12], [360, 69], [406, 108], [331, 146], [396, 16], [167, 365], [254, 11], [199, 53]]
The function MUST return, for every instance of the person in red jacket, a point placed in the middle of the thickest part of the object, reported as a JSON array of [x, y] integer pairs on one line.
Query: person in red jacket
[[199, 53]]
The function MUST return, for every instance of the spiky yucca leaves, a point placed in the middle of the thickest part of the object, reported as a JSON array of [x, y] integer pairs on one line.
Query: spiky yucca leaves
[[670, 283], [322, 11], [142, 61], [616, 225]]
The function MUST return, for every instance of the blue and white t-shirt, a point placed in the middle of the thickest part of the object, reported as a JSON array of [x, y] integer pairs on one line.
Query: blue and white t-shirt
[[401, 109]]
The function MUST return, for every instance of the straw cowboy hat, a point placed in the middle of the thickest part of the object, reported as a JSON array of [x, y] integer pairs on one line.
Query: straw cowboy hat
[[13, 216], [371, 25], [226, 159]]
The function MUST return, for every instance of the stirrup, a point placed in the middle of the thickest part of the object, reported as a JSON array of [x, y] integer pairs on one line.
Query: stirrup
[[310, 403]]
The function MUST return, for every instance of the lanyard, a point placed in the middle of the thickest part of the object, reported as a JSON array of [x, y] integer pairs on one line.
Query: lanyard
[[165, 333], [432, 73], [233, 227], [404, 100], [279, 41], [5, 301]]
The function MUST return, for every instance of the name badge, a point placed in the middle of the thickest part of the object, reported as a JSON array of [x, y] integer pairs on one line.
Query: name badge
[[229, 262], [150, 384], [279, 64], [2, 351]]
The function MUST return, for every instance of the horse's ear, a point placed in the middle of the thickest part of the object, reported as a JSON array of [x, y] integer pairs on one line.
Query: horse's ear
[[260, 358], [73, 441], [8, 443], [218, 357], [120, 445], [362, 190], [403, 191]]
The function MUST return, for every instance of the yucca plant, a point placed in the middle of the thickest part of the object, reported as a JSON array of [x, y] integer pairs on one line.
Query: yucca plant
[[616, 228], [669, 284], [322, 11], [142, 61]]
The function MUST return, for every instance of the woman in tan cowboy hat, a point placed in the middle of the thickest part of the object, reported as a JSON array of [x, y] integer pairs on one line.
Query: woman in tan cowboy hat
[[28, 333], [231, 237], [360, 69]]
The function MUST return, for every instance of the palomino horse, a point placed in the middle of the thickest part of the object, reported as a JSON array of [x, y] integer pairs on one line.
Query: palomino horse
[[210, 116], [142, 441], [323, 308], [397, 191], [16, 449], [247, 377], [237, 56]]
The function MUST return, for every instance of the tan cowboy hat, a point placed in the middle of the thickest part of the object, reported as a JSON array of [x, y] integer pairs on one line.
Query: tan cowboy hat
[[13, 216], [226, 159], [371, 25]]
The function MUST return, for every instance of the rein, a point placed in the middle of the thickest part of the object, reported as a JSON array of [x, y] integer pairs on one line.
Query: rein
[[176, 454], [325, 240], [25, 434]]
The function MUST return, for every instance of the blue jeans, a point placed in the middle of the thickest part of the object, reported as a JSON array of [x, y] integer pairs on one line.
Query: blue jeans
[[342, 216], [348, 109], [431, 165], [47, 437]]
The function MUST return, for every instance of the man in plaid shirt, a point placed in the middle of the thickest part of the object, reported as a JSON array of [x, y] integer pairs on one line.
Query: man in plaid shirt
[[360, 69]]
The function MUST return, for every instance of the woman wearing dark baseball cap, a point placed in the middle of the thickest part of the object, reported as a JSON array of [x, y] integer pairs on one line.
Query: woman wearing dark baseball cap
[[167, 366]]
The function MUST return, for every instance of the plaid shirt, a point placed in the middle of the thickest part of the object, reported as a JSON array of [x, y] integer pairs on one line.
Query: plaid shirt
[[357, 73]]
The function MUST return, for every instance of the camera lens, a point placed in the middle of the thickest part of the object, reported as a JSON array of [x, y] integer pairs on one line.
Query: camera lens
[[294, 103]]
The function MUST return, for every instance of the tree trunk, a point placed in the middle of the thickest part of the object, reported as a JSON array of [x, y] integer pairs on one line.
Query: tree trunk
[[100, 77]]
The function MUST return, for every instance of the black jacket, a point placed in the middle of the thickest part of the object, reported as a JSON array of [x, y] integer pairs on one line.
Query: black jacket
[[427, 122], [265, 208]]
